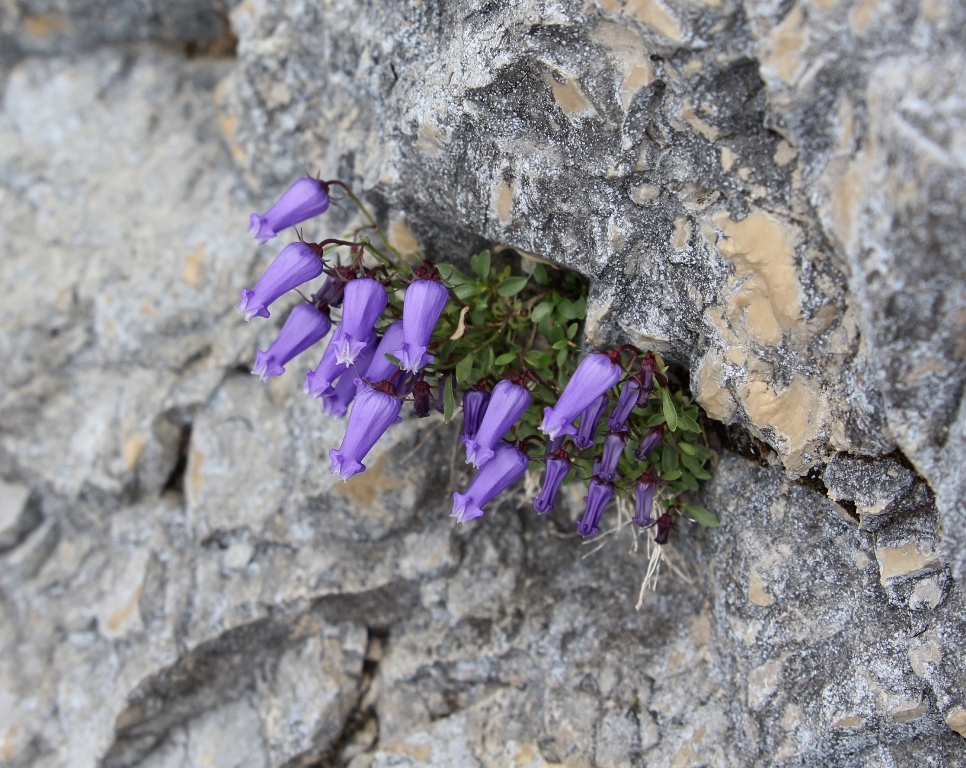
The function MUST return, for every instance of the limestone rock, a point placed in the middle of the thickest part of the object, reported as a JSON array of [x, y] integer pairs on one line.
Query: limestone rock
[[183, 584]]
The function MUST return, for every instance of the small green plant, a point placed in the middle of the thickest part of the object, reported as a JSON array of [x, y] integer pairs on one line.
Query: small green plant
[[498, 341]]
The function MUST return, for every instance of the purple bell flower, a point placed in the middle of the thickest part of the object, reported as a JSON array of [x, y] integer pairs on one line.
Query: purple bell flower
[[365, 299], [625, 404], [598, 496], [304, 326], [557, 470], [336, 400], [589, 420], [507, 466], [381, 368], [614, 444], [649, 443], [422, 307], [593, 377], [474, 406], [320, 380], [645, 488], [372, 414], [295, 264], [507, 404], [301, 201]]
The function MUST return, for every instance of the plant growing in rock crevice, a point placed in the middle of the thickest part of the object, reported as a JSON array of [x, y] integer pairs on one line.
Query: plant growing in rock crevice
[[499, 344]]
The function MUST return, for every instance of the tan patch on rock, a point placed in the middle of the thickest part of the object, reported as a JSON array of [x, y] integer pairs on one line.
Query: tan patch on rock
[[717, 401], [784, 153], [645, 193], [628, 51], [756, 590], [795, 413], [905, 560], [45, 25], [430, 139], [131, 451], [193, 272], [403, 239], [196, 479], [568, 95], [785, 45], [847, 721], [862, 15], [655, 15], [762, 248], [503, 202], [727, 159], [365, 488], [957, 721], [682, 233], [691, 118], [907, 710]]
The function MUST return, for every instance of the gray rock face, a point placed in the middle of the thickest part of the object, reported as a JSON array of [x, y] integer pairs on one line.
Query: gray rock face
[[183, 584], [55, 26], [769, 193]]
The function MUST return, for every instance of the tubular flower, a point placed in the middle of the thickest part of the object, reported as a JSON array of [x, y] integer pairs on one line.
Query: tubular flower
[[644, 499], [303, 200], [589, 420], [593, 377], [558, 467], [364, 301], [304, 326], [507, 404], [625, 404], [422, 307], [474, 406], [372, 414], [499, 473], [598, 496], [613, 448], [381, 368], [649, 443], [336, 400], [295, 264], [318, 382], [331, 292]]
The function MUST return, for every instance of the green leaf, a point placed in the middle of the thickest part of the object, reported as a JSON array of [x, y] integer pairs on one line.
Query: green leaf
[[580, 308], [702, 451], [687, 423], [702, 516], [572, 330], [464, 368], [466, 291], [540, 274], [511, 286], [562, 344], [507, 357], [670, 412], [654, 419], [481, 264], [562, 356], [701, 473], [449, 401], [565, 308], [542, 310], [686, 448], [675, 475], [557, 334], [669, 460]]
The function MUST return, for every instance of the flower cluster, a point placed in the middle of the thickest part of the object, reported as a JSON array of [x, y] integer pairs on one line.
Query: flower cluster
[[507, 341]]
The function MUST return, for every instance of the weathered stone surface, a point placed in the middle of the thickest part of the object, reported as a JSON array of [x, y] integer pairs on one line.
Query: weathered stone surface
[[770, 193], [57, 26], [183, 584]]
